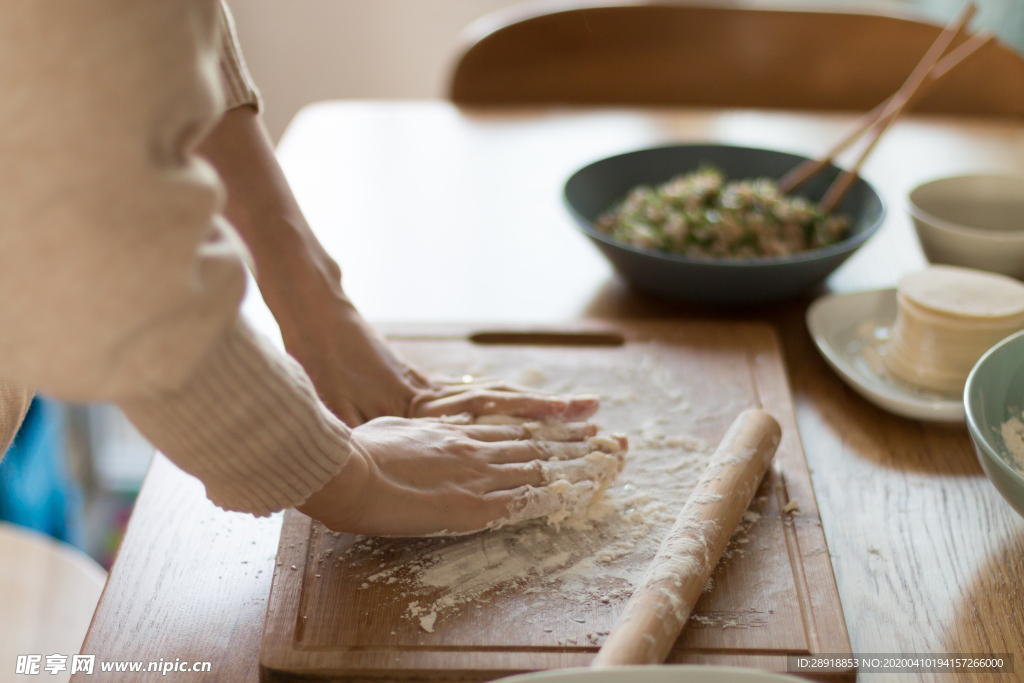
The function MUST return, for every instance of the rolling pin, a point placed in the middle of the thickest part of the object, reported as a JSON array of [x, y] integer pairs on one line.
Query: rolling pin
[[655, 614]]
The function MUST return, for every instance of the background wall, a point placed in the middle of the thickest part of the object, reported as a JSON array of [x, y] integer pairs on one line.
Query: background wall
[[302, 51]]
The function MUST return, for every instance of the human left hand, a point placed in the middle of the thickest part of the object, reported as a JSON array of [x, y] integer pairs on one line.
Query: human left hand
[[355, 371], [360, 377]]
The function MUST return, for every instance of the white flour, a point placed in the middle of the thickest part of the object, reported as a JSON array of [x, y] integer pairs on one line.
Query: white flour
[[1013, 438], [601, 557]]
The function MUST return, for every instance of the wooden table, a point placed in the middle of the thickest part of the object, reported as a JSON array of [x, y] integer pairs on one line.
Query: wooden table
[[438, 214]]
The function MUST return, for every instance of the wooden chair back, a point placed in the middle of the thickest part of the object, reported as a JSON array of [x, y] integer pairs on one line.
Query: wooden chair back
[[672, 53]]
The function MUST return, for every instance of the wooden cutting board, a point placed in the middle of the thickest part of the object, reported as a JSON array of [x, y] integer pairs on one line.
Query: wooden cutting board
[[349, 608]]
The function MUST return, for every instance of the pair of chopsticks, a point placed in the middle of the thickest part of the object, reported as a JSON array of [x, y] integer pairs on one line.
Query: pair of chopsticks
[[935, 64]]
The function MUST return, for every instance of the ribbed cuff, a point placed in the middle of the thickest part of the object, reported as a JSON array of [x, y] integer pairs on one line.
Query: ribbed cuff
[[248, 423], [239, 88]]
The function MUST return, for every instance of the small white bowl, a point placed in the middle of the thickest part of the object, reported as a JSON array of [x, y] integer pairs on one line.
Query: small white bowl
[[975, 221]]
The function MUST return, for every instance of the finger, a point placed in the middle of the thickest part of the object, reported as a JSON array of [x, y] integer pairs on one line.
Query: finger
[[561, 431], [600, 468], [549, 431], [464, 380], [581, 408], [521, 431], [486, 402], [495, 433], [577, 409], [501, 420], [555, 501], [418, 379], [449, 389], [460, 419], [512, 388], [525, 451], [518, 474], [616, 443]]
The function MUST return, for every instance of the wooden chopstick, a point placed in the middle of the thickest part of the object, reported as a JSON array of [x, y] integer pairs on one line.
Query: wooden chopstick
[[932, 67], [896, 106], [806, 170], [953, 59]]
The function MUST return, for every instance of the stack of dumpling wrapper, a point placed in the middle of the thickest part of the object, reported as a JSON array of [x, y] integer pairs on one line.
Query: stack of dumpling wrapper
[[948, 318]]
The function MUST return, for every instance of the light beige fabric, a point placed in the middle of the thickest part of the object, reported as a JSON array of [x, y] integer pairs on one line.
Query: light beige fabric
[[239, 88], [14, 404], [246, 416], [119, 280]]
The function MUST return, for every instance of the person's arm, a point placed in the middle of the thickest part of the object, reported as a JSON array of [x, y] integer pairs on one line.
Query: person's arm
[[120, 281], [355, 371]]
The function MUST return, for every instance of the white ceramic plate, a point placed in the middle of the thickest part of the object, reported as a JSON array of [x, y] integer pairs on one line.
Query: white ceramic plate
[[655, 674], [848, 329]]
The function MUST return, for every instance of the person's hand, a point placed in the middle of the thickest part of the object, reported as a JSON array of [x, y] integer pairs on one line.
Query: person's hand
[[355, 371], [480, 396], [360, 377], [418, 477]]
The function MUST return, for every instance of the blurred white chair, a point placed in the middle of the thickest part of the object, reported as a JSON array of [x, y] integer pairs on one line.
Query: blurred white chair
[[48, 593]]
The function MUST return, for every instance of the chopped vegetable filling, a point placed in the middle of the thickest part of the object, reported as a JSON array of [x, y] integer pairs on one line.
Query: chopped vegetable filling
[[700, 214]]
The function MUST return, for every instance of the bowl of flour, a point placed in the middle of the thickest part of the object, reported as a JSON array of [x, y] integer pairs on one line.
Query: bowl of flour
[[994, 404]]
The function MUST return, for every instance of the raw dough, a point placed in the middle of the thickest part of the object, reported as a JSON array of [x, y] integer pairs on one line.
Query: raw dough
[[963, 292], [427, 622], [947, 319], [575, 475], [571, 487], [1013, 438]]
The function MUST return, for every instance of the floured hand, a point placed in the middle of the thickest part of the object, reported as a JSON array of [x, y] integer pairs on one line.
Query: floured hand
[[484, 397], [419, 477], [360, 377]]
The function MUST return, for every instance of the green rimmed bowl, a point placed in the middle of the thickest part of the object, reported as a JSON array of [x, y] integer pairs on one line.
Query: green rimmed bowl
[[994, 394]]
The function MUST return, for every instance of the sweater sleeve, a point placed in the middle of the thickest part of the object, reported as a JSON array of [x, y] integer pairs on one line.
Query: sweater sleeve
[[119, 279], [248, 424], [239, 88]]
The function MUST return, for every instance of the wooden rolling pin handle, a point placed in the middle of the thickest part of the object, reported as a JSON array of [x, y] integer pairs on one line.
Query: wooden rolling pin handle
[[655, 614]]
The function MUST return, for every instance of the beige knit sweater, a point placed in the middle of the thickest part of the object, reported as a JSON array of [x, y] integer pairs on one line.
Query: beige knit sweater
[[119, 279]]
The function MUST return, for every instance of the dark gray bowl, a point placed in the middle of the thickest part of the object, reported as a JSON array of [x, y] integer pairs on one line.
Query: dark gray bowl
[[595, 188]]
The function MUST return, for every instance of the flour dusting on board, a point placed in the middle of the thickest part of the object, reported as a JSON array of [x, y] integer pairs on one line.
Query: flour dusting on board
[[598, 557]]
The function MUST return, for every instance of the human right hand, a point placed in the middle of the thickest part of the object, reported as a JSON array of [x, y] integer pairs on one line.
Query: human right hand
[[417, 477]]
